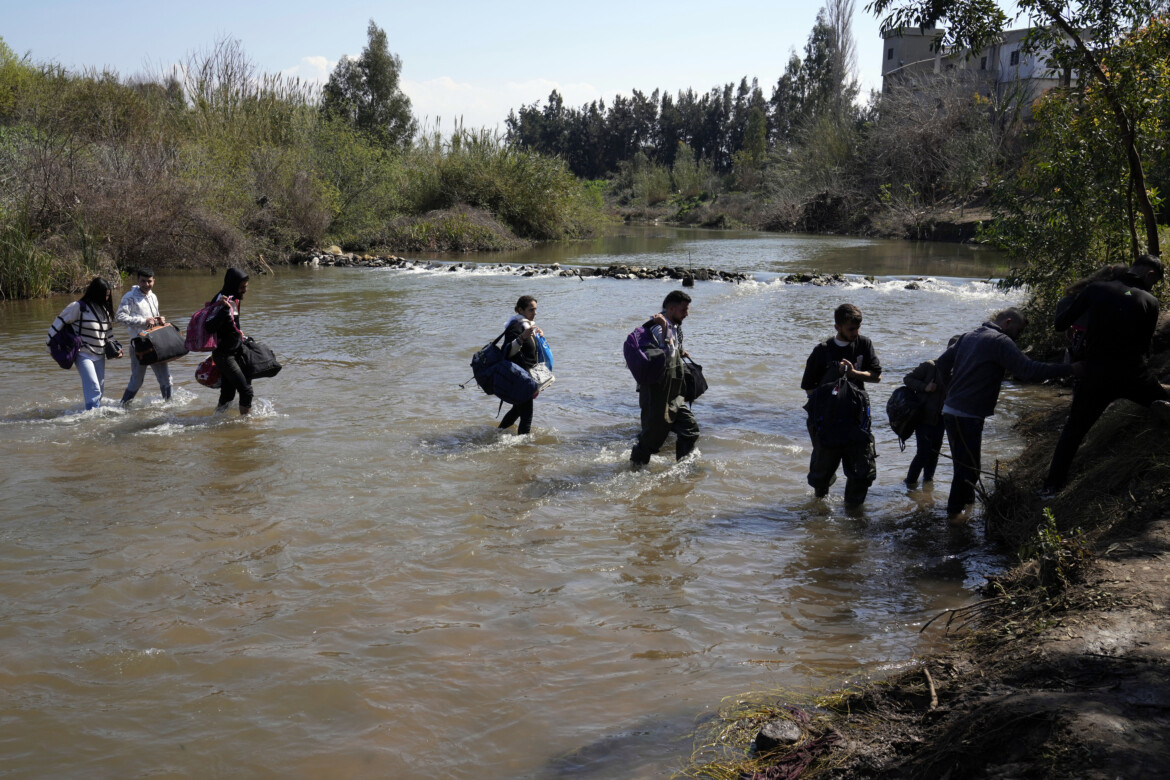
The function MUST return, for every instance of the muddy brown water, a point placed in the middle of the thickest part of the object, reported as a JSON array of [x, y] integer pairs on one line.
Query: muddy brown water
[[368, 580]]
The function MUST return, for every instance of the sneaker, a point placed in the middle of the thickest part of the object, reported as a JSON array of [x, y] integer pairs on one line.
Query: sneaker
[[821, 493]]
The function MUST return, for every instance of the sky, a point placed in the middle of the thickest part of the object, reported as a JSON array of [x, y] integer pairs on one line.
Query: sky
[[468, 60]]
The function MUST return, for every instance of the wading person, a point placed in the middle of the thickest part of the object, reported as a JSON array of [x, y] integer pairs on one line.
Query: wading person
[[834, 378], [139, 311], [663, 408], [973, 369], [92, 318], [1119, 317], [229, 342], [928, 435], [520, 347]]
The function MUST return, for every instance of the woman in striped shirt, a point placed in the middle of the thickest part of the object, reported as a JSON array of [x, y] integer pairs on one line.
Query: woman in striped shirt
[[91, 317]]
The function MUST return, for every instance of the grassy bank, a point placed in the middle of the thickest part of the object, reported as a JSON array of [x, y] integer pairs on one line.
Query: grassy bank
[[1060, 669], [217, 164]]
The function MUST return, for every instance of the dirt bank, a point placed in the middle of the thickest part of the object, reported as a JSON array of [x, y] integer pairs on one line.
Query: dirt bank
[[1061, 670]]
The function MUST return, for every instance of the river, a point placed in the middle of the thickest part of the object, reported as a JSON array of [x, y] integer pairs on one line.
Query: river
[[366, 579]]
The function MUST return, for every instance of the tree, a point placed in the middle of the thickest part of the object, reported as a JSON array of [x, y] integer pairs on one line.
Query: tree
[[1079, 35], [1068, 208], [365, 93]]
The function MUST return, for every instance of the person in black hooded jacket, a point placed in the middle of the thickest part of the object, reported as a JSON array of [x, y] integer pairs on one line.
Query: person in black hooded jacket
[[520, 347], [229, 342]]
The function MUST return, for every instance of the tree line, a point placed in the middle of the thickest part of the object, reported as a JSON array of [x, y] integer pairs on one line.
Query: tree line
[[729, 126]]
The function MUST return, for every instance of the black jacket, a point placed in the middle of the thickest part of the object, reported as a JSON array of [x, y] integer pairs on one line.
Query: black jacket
[[822, 364], [1120, 318]]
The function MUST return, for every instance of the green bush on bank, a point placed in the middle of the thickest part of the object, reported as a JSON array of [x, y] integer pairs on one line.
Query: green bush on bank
[[222, 165]]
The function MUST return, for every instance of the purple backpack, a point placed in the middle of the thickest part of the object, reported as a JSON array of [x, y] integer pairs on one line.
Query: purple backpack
[[64, 346], [645, 359]]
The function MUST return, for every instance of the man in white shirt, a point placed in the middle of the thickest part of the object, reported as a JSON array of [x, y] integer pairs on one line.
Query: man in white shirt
[[139, 311]]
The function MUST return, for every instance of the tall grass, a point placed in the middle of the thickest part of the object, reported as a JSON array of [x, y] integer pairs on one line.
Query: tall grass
[[25, 270], [215, 163]]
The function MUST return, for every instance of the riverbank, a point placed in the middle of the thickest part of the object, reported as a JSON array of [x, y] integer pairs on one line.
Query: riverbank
[[821, 216], [1062, 669]]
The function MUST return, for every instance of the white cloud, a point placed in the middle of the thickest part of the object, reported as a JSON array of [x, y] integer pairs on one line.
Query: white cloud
[[484, 105], [314, 70]]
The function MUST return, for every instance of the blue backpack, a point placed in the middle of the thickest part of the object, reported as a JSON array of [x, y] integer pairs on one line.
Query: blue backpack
[[644, 357]]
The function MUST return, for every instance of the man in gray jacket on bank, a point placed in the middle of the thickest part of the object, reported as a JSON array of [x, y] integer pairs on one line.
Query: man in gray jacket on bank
[[976, 365]]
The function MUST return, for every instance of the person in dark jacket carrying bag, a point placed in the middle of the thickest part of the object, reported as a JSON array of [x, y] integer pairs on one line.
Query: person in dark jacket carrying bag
[[229, 342], [1119, 316], [838, 407], [663, 407], [520, 347], [928, 435]]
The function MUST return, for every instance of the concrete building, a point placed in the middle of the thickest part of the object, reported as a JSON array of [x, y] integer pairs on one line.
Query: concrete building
[[1002, 68]]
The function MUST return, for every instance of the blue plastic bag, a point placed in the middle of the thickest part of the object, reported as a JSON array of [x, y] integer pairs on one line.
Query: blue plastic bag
[[545, 350]]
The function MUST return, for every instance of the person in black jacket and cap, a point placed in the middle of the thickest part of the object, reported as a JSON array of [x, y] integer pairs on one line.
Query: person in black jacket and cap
[[1120, 318], [229, 342]]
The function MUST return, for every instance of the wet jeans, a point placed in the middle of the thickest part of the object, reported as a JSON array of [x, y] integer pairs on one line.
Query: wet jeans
[[234, 380], [928, 438], [138, 372], [93, 377]]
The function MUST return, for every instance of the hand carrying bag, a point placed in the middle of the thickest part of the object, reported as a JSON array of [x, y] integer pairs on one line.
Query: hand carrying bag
[[694, 385], [542, 375], [257, 360], [64, 346], [113, 349], [158, 344], [544, 351]]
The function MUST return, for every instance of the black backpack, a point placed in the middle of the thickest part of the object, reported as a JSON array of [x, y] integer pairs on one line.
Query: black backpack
[[905, 412], [483, 364], [839, 413], [498, 376]]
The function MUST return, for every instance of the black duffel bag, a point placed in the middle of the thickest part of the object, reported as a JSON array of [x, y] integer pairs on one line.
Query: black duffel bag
[[694, 385], [258, 360], [158, 344]]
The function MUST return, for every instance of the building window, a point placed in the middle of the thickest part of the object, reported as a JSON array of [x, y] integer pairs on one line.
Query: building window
[[983, 63], [889, 54], [1015, 58]]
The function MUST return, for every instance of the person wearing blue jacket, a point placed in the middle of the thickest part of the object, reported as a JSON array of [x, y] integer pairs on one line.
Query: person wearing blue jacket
[[973, 369]]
